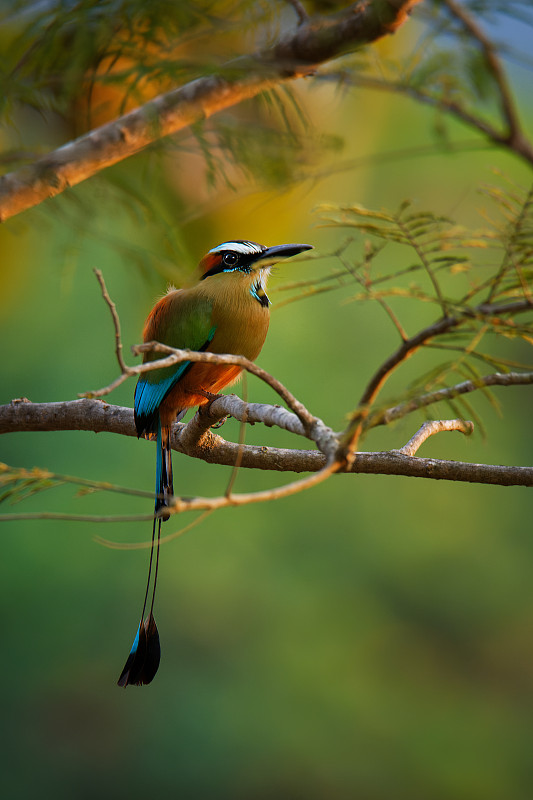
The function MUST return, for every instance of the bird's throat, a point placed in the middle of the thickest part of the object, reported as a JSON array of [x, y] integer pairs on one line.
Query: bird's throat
[[258, 286]]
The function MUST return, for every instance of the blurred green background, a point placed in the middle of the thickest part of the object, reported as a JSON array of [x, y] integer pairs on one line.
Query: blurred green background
[[372, 638]]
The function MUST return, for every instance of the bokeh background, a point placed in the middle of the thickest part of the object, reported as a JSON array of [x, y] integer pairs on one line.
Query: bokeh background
[[372, 638]]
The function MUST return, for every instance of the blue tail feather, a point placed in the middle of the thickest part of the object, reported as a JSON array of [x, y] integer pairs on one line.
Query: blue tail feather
[[163, 472], [159, 468]]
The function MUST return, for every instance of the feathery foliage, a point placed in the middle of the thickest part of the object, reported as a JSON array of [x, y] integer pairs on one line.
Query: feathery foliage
[[479, 280]]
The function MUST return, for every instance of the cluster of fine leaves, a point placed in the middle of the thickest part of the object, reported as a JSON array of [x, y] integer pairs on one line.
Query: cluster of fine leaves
[[84, 63], [452, 63], [479, 283], [52, 49], [19, 484], [69, 67], [456, 66]]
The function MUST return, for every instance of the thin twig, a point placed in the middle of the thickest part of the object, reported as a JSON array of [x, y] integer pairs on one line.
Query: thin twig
[[486, 311], [182, 504], [432, 427], [367, 285], [178, 355], [414, 243], [507, 261], [518, 144], [112, 545], [406, 349], [493, 63], [495, 379], [116, 322], [38, 474], [301, 13], [178, 505], [60, 517], [466, 351], [242, 437]]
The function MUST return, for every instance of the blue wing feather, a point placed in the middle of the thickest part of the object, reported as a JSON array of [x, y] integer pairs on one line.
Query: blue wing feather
[[149, 396]]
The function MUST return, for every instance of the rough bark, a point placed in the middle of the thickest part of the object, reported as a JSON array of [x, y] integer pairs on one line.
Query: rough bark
[[195, 439]]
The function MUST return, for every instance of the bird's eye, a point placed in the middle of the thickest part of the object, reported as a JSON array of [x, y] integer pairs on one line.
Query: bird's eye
[[230, 259]]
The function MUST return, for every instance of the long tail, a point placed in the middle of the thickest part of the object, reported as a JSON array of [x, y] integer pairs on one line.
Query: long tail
[[143, 660], [163, 476]]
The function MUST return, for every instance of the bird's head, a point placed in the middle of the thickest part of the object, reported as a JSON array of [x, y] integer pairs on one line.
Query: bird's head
[[246, 257]]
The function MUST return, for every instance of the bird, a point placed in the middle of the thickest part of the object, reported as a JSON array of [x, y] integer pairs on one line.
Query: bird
[[226, 311]]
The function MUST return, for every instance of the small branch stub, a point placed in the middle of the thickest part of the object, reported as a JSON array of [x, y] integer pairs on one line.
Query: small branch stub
[[432, 427]]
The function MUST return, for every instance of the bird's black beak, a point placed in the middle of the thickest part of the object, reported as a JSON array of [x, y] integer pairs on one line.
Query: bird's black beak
[[274, 254]]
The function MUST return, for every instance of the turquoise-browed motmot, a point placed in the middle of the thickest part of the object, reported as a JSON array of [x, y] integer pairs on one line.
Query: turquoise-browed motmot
[[227, 311]]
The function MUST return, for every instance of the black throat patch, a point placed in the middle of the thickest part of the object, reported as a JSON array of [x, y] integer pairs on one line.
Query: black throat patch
[[259, 294]]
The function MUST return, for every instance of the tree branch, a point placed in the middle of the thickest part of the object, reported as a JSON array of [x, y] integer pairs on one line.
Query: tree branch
[[300, 11], [431, 428], [494, 65], [407, 348], [516, 142], [178, 355], [94, 415], [312, 43], [495, 379]]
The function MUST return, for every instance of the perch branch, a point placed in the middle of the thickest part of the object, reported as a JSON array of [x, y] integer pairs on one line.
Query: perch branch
[[94, 415]]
